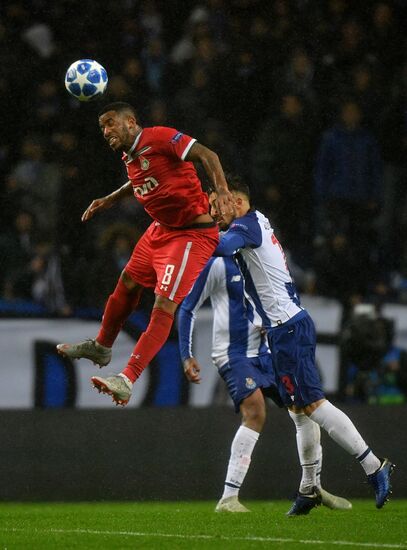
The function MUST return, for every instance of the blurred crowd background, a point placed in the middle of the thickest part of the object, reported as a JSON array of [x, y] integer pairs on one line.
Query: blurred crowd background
[[307, 99]]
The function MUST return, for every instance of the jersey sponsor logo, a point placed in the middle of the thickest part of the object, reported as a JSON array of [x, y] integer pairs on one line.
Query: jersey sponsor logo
[[177, 137], [250, 383], [141, 190]]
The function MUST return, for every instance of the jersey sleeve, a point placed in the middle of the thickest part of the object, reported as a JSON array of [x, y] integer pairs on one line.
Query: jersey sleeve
[[243, 233], [203, 288], [171, 142]]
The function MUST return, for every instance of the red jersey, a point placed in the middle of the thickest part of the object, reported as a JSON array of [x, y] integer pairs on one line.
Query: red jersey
[[163, 182]]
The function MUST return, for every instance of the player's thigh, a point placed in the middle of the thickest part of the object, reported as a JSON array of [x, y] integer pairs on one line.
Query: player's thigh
[[180, 260], [140, 266], [293, 348], [243, 376], [253, 406]]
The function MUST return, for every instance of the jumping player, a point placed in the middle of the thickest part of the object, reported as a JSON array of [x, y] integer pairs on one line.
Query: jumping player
[[242, 356], [173, 250], [292, 337]]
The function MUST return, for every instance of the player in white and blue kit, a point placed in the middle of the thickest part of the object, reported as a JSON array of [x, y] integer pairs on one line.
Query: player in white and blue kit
[[236, 341], [291, 334], [242, 356]]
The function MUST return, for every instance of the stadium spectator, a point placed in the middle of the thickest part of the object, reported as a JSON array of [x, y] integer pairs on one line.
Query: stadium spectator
[[384, 38], [17, 247], [362, 84], [195, 97], [133, 73], [40, 280], [348, 182], [37, 182], [391, 129], [281, 163], [115, 245], [298, 76], [155, 64], [332, 257], [373, 368]]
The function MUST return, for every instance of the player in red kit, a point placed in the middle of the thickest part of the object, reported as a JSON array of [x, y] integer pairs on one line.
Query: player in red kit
[[171, 253]]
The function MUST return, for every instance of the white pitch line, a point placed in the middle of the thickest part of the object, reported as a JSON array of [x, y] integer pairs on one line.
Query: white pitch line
[[248, 538]]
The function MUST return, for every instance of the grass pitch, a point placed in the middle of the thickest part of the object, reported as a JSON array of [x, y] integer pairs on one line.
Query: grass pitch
[[194, 525]]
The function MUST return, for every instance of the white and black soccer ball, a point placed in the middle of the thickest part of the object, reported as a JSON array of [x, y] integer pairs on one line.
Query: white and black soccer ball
[[86, 79]]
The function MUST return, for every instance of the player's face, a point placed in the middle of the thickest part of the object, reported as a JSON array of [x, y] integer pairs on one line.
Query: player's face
[[223, 220], [116, 129]]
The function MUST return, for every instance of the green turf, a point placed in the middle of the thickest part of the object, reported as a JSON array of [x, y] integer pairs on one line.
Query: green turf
[[184, 525]]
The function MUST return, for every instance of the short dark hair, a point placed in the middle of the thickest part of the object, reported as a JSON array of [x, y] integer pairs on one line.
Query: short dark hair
[[119, 107], [235, 183]]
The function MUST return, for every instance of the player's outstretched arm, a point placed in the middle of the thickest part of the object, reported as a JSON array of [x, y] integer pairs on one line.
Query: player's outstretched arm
[[211, 163], [107, 202], [192, 370]]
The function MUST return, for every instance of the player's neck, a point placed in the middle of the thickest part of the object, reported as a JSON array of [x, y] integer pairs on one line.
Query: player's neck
[[131, 146], [242, 210]]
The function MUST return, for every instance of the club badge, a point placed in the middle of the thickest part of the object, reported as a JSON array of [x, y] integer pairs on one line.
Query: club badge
[[250, 384], [144, 163]]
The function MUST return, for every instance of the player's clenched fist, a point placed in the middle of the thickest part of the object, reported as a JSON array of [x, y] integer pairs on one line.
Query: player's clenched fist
[[192, 370]]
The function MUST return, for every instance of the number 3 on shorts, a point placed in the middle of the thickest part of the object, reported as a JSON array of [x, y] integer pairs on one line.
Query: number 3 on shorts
[[169, 270]]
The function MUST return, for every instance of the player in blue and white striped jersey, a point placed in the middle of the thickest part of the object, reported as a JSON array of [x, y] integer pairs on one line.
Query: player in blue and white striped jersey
[[233, 334], [241, 353], [291, 335]]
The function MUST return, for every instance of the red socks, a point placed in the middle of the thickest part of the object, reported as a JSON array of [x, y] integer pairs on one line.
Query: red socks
[[150, 343], [118, 307]]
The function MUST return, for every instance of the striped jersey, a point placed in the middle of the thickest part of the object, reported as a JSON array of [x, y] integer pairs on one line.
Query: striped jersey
[[233, 334], [268, 283]]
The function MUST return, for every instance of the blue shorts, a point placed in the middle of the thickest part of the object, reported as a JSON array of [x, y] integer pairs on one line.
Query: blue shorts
[[243, 375], [293, 350]]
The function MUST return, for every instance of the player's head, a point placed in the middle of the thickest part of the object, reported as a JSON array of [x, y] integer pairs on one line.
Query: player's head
[[241, 204], [118, 122]]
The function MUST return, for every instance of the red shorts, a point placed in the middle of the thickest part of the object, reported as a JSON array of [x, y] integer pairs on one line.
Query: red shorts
[[170, 260]]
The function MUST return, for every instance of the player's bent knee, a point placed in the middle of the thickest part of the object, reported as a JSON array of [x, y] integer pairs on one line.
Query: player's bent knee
[[164, 303], [312, 407], [254, 420], [253, 411], [128, 282]]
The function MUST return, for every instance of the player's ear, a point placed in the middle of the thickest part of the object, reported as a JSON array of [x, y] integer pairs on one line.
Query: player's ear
[[131, 122]]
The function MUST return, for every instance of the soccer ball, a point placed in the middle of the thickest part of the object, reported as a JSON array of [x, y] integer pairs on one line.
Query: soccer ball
[[86, 79]]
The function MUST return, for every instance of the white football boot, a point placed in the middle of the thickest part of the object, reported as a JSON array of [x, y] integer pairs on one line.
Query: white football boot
[[333, 502], [230, 504], [117, 386], [89, 349]]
